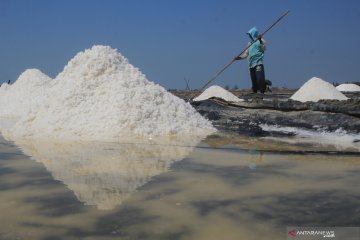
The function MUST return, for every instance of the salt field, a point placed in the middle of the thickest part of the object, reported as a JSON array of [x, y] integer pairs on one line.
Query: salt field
[[179, 120], [101, 152]]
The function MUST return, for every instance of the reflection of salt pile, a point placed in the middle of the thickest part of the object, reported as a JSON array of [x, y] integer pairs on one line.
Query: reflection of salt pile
[[101, 96], [218, 92], [105, 174], [316, 89], [27, 91], [350, 87]]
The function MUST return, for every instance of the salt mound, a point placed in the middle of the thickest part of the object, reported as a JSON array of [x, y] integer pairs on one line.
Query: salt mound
[[348, 88], [315, 89], [219, 92], [3, 87], [26, 92], [101, 96]]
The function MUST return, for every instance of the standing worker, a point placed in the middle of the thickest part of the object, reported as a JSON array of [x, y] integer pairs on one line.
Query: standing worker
[[255, 56]]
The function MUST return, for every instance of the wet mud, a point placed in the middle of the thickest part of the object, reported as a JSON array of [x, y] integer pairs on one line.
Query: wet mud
[[277, 109]]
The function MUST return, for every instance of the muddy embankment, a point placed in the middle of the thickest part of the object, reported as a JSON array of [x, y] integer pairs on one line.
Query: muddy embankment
[[276, 108]]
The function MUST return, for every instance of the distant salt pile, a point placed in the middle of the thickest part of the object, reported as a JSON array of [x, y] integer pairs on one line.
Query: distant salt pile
[[218, 92], [350, 87], [4, 87], [101, 96], [27, 91], [316, 89]]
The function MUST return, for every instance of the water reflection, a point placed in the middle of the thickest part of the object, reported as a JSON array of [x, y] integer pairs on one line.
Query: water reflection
[[282, 144], [105, 174], [6, 123], [257, 158], [214, 193]]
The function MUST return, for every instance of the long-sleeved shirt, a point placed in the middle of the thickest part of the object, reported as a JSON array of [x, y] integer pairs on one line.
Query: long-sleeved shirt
[[255, 53]]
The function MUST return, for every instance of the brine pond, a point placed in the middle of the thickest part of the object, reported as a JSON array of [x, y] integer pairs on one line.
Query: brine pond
[[224, 187]]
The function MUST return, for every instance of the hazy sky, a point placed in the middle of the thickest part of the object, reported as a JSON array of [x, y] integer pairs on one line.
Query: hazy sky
[[172, 40]]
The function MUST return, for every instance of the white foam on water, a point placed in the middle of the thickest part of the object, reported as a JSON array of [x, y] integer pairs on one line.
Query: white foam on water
[[339, 138], [348, 87], [219, 92], [316, 89], [100, 96]]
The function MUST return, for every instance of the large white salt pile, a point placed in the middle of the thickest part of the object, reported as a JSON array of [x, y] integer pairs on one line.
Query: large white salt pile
[[27, 91], [348, 87], [218, 92], [101, 96], [316, 89]]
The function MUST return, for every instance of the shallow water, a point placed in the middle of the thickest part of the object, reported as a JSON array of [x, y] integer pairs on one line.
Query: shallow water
[[226, 187]]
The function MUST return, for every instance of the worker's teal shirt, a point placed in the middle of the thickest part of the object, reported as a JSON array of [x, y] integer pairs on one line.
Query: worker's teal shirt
[[256, 52]]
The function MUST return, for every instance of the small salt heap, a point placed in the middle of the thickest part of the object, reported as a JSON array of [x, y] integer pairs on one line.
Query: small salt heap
[[101, 96], [348, 87], [26, 92], [218, 92], [316, 89]]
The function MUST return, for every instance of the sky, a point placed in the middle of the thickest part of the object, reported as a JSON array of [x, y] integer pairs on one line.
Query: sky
[[174, 41]]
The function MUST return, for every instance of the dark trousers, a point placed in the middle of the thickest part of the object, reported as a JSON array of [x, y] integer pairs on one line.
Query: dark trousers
[[257, 75]]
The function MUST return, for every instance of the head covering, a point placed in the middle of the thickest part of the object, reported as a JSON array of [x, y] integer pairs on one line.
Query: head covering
[[253, 32]]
